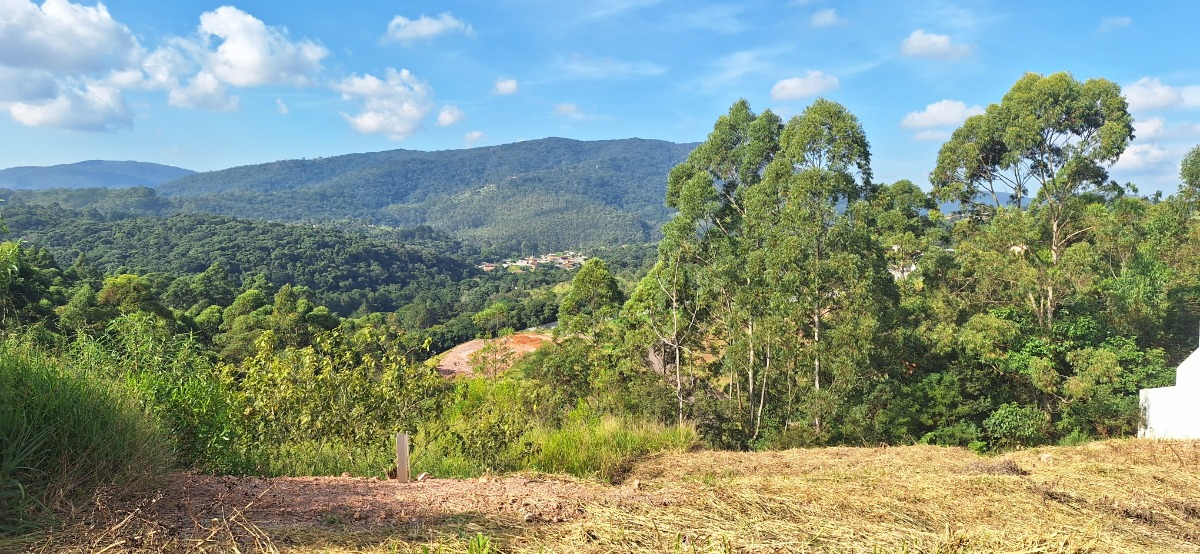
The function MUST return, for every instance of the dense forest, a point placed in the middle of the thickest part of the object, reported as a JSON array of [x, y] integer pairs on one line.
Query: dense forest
[[792, 301], [348, 273]]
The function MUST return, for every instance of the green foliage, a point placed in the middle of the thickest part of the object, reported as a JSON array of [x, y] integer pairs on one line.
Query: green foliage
[[170, 377], [1189, 173], [351, 389], [594, 296], [347, 272], [481, 429], [1013, 425], [480, 544]]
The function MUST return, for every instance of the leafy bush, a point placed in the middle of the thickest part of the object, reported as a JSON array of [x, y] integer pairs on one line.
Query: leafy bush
[[962, 433], [1013, 425], [348, 393], [481, 429]]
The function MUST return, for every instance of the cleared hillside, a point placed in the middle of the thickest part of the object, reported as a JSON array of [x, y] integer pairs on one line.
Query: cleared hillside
[[1112, 496]]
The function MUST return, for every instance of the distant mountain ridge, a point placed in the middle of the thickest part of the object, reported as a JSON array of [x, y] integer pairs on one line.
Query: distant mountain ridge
[[538, 195], [91, 174]]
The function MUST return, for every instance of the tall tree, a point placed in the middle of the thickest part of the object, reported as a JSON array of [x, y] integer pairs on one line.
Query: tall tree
[[771, 265], [1052, 132]]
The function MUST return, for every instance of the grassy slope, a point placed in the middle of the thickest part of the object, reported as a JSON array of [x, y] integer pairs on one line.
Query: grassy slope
[[1113, 496]]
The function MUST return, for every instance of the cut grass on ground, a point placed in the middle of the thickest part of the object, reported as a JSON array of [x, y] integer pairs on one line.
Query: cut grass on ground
[[1112, 496]]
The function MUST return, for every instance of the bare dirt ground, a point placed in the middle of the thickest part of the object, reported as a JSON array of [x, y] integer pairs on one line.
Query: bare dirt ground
[[1112, 496], [457, 361], [200, 513]]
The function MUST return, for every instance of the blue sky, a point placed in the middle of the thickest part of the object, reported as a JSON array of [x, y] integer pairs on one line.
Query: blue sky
[[206, 85]]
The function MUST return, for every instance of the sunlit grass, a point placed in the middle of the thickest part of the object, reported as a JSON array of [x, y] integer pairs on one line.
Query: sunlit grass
[[64, 435]]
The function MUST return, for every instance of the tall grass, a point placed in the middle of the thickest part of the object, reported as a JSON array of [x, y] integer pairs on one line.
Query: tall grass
[[171, 378], [603, 447], [508, 425], [64, 435], [307, 458]]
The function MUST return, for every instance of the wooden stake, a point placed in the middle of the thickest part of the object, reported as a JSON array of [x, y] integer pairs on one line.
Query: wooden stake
[[402, 457]]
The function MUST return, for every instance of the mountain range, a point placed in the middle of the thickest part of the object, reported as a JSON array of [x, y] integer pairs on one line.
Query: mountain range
[[532, 196], [521, 198], [90, 174]]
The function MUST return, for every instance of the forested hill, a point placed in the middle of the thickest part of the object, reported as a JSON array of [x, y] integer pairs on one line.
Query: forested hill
[[537, 195], [345, 271], [93, 173]]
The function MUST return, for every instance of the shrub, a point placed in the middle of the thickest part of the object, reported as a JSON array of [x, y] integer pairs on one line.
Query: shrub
[[1013, 425]]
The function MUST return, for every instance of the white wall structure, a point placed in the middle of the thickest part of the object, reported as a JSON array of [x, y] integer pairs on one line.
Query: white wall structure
[[1174, 412]]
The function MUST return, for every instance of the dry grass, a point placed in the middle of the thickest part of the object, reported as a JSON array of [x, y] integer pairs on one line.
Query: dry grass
[[1112, 496]]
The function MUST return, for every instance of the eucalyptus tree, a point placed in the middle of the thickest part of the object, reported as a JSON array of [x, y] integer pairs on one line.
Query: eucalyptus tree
[[771, 265], [828, 290], [703, 246], [1051, 132]]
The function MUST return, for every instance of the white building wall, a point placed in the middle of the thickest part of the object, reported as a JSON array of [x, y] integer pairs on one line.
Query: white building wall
[[1174, 412]]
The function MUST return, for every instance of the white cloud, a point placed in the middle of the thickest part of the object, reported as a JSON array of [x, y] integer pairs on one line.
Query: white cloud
[[505, 86], [283, 109], [943, 113], [1140, 157], [64, 37], [26, 85], [607, 68], [811, 84], [733, 66], [231, 48], [449, 115], [1149, 93], [203, 92], [1112, 23], [1151, 128], [827, 17], [472, 137], [393, 107], [253, 54], [929, 45], [403, 29], [568, 110], [931, 135], [92, 107], [167, 65]]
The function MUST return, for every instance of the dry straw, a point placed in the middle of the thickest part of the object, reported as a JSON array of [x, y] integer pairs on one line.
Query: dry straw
[[1112, 496]]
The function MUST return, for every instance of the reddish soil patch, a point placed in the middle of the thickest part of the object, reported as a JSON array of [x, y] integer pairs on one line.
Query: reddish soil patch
[[199, 513], [366, 502], [457, 361]]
